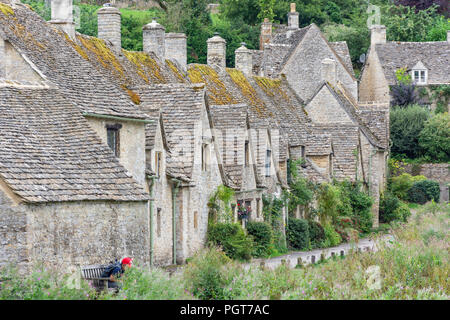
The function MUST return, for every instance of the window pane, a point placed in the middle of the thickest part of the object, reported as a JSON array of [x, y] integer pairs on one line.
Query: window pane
[[112, 139], [422, 76]]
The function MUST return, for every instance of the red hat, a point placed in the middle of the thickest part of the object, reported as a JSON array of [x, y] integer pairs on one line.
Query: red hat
[[126, 260]]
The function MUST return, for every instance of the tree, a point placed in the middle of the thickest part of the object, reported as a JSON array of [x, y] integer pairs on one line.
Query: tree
[[266, 9], [435, 138], [406, 124]]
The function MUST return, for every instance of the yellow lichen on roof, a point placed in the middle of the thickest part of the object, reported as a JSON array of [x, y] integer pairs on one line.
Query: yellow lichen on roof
[[146, 66], [80, 51], [103, 53], [133, 95], [218, 93], [247, 90], [175, 71], [6, 10], [21, 32], [272, 87]]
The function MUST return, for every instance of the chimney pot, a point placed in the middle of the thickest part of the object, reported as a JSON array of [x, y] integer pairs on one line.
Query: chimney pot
[[244, 59], [154, 38], [176, 48], [377, 34], [62, 16], [216, 51], [109, 22]]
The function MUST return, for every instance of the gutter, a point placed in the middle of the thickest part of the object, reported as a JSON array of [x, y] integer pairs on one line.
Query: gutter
[[103, 116]]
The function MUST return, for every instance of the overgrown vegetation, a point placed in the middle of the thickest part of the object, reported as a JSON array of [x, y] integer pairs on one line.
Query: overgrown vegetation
[[415, 265]]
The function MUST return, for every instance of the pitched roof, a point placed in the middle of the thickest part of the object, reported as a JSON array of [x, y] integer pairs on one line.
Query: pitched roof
[[181, 109], [59, 60], [341, 48], [231, 121], [434, 55], [49, 153]]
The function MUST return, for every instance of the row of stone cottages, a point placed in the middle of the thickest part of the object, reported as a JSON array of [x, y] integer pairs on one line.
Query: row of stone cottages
[[106, 152]]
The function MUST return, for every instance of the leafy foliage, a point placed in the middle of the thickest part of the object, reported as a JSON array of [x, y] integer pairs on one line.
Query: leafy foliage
[[262, 236], [232, 238], [316, 234], [298, 234], [273, 214], [434, 139], [423, 191], [401, 184], [406, 125], [392, 209]]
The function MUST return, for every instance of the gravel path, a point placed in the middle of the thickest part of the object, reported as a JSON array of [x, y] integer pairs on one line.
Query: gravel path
[[314, 256]]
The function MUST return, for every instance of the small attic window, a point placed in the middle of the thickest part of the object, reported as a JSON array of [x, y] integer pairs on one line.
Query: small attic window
[[113, 137], [419, 74]]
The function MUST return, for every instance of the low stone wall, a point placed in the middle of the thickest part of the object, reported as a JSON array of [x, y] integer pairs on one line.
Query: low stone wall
[[439, 172]]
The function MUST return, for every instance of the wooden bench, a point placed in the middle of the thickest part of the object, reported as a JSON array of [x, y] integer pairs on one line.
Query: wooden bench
[[93, 273]]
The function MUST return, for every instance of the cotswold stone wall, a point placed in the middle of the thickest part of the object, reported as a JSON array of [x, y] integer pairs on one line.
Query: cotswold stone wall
[[69, 234], [132, 144], [13, 234]]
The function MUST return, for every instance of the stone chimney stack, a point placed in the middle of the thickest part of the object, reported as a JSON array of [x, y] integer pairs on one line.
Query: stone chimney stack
[[292, 20], [243, 59], [266, 33], [62, 16], [154, 38], [329, 71], [217, 47], [377, 34], [109, 25], [176, 48]]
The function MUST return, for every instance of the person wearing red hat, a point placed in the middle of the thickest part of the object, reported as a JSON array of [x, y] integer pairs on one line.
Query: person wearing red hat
[[117, 271]]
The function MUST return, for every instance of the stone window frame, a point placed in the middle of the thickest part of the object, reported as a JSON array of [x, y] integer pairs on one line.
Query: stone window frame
[[158, 222], [114, 144], [247, 153], [206, 156], [268, 163], [158, 160]]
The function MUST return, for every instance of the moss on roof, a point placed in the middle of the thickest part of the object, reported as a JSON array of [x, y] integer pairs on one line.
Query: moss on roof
[[175, 71], [272, 87], [147, 67], [6, 10], [217, 90]]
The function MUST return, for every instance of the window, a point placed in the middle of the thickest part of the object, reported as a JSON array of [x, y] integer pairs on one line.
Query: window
[[158, 222], [158, 156], [205, 157], [258, 209], [247, 154], [420, 76], [195, 219], [112, 136], [268, 154]]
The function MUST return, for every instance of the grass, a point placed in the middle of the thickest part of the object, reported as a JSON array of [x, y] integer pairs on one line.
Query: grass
[[413, 266]]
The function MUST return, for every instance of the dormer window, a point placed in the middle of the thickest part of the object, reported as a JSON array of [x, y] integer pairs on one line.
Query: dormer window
[[113, 137], [419, 74]]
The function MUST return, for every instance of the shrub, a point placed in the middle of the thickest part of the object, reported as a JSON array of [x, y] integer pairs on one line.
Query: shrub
[[262, 237], [316, 234], [402, 211], [435, 138], [346, 228], [424, 191], [332, 238], [401, 184], [388, 205], [205, 274], [406, 124], [298, 233], [232, 238]]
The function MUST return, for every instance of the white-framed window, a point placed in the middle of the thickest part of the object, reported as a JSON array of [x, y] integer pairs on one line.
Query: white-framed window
[[419, 76]]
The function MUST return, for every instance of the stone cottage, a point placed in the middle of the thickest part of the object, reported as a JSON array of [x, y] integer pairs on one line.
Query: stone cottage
[[174, 132], [428, 63], [65, 199]]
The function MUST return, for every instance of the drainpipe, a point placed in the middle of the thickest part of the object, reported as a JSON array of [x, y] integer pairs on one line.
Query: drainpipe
[[175, 189], [150, 203]]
